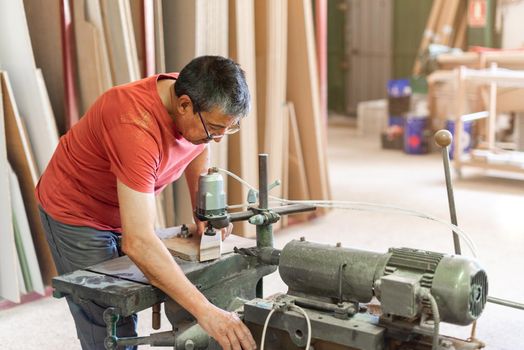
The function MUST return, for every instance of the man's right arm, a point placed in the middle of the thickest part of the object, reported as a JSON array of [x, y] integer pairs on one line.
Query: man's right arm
[[146, 250]]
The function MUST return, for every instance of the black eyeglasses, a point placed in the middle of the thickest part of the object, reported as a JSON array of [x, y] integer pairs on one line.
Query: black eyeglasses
[[230, 130]]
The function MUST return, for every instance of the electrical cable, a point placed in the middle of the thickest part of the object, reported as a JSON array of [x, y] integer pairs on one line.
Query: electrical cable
[[308, 343], [436, 320], [264, 330], [297, 308]]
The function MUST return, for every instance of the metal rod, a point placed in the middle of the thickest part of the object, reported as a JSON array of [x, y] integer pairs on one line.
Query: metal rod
[[283, 210], [507, 303], [262, 181], [443, 138], [451, 199]]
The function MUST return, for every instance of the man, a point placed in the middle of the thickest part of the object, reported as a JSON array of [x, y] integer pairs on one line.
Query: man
[[101, 181]]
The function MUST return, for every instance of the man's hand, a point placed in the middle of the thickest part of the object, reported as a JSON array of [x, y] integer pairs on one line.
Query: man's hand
[[201, 228], [227, 329]]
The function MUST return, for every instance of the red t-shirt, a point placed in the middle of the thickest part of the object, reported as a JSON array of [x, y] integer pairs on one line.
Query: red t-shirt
[[126, 134]]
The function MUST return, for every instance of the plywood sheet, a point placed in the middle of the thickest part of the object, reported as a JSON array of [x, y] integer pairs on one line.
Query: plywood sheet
[[16, 56], [243, 146], [121, 42], [69, 59], [43, 20], [21, 159], [35, 282], [137, 18], [302, 90], [189, 248], [271, 57], [160, 57], [9, 284], [91, 53]]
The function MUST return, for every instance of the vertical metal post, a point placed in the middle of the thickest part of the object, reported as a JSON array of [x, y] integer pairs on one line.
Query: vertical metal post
[[262, 181], [264, 232]]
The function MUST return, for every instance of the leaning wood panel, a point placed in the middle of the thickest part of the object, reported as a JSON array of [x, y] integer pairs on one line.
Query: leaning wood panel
[[243, 147], [32, 274], [9, 284], [120, 39], [21, 159], [43, 20], [160, 58], [92, 82], [428, 35], [271, 57], [16, 56], [302, 90]]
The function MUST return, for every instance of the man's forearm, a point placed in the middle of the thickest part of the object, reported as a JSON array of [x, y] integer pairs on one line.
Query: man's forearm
[[155, 261]]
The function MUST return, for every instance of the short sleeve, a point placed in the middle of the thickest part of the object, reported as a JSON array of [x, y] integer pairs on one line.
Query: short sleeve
[[134, 156]]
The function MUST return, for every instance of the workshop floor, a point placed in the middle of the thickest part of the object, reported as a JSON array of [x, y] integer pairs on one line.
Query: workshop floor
[[488, 206]]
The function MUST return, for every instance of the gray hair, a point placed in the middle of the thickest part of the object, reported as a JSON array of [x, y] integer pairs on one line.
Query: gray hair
[[215, 82]]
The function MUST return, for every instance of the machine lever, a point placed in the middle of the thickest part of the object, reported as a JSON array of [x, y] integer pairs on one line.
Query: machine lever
[[443, 138]]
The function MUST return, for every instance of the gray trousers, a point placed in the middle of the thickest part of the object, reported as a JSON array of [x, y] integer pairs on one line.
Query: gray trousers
[[76, 247]]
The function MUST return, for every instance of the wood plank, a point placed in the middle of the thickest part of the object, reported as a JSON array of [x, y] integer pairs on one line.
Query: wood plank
[[91, 53], [429, 34], [21, 159], [297, 179], [160, 57], [9, 285], [189, 248], [93, 14], [149, 38], [120, 39], [298, 186], [22, 224], [16, 56], [43, 20], [137, 18], [243, 146], [69, 59], [271, 56], [302, 90], [447, 17]]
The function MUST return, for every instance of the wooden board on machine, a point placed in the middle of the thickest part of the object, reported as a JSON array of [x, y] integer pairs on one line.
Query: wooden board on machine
[[189, 248]]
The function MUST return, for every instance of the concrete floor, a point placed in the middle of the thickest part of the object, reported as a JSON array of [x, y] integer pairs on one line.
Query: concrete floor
[[489, 208]]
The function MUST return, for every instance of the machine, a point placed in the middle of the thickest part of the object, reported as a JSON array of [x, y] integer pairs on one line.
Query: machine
[[338, 297]]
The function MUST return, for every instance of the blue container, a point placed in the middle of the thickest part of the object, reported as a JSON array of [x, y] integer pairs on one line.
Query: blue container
[[396, 120], [399, 88], [415, 136], [466, 136]]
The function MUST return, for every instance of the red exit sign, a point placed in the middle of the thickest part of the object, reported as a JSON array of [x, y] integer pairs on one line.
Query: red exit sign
[[477, 13]]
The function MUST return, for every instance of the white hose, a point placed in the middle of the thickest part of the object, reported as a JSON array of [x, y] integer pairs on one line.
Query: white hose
[[436, 320], [299, 309], [371, 207], [308, 343], [264, 330]]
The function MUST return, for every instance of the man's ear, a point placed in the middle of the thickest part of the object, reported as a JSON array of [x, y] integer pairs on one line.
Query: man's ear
[[184, 103]]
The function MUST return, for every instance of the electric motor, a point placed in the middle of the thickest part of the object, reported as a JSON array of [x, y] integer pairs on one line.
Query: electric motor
[[397, 278]]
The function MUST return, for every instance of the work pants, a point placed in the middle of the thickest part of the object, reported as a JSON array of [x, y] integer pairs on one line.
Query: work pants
[[77, 247]]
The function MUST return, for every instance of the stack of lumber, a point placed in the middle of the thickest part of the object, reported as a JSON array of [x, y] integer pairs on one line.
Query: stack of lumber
[[58, 56], [446, 25]]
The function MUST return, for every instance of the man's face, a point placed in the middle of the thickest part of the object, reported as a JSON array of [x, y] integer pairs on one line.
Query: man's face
[[205, 127]]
